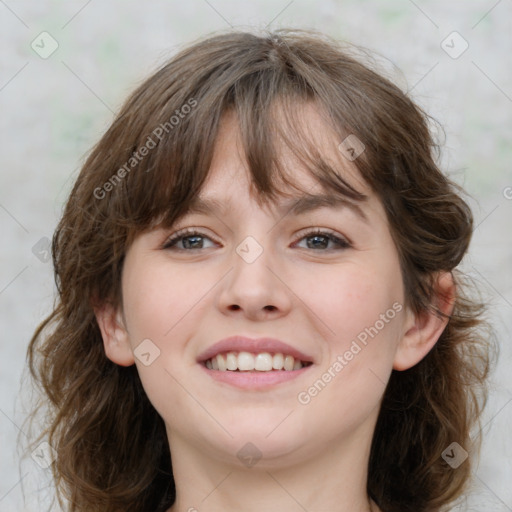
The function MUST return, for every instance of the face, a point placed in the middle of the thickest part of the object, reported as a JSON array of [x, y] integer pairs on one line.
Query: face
[[325, 281]]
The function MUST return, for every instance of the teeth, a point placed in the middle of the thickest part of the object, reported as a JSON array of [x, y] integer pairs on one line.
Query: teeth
[[231, 361], [263, 362], [278, 362], [245, 361], [297, 365], [221, 363], [288, 363]]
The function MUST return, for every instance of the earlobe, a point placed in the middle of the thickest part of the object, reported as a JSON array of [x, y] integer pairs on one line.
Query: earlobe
[[114, 334], [424, 329]]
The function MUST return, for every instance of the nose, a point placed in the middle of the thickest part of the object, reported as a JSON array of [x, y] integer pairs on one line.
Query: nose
[[256, 288]]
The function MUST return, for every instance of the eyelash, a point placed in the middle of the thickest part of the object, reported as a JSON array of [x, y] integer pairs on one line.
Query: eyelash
[[189, 232]]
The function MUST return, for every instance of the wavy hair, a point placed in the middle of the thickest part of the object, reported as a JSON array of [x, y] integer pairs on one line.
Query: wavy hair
[[111, 447]]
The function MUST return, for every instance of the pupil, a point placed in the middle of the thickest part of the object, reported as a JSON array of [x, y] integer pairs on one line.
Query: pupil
[[188, 245], [316, 238]]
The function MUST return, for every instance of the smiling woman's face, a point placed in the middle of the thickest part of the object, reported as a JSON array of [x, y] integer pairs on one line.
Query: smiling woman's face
[[337, 297]]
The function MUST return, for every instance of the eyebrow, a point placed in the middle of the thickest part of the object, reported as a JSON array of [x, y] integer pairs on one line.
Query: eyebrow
[[295, 206]]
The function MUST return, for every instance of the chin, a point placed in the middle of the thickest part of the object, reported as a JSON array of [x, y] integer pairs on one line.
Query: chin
[[267, 441]]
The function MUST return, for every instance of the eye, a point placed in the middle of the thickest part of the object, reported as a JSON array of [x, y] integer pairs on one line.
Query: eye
[[320, 239], [189, 238]]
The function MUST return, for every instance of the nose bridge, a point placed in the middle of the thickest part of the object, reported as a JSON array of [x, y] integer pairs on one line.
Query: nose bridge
[[252, 285], [255, 225], [251, 263]]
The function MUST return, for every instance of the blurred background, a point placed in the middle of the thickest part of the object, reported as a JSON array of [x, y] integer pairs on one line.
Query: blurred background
[[65, 68]]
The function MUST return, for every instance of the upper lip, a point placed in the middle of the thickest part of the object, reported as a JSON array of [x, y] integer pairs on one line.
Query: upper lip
[[254, 345]]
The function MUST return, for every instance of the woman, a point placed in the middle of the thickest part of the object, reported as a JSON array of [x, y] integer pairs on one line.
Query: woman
[[259, 307]]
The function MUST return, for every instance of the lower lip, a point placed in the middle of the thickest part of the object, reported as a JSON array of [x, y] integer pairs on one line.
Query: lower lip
[[255, 379]]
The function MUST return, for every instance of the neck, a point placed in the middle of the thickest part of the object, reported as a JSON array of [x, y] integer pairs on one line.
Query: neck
[[334, 479]]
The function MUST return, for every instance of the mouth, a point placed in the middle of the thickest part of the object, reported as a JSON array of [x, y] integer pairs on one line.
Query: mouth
[[254, 364], [259, 362]]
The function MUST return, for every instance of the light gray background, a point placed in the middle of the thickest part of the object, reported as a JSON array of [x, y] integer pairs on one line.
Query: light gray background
[[54, 109]]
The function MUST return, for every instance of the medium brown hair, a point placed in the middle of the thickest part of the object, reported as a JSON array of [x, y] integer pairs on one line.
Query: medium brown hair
[[111, 447]]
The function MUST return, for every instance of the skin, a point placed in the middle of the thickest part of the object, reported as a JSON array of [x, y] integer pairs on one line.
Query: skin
[[314, 455]]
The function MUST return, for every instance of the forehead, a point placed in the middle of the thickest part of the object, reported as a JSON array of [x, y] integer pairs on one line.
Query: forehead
[[230, 168], [229, 188]]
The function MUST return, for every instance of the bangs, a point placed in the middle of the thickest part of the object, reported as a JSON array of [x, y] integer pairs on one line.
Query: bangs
[[268, 96]]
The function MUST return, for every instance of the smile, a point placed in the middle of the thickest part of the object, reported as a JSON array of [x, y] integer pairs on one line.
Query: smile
[[260, 362]]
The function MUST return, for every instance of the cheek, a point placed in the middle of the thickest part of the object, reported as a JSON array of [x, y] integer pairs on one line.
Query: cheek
[[362, 307], [161, 305], [158, 298], [354, 298]]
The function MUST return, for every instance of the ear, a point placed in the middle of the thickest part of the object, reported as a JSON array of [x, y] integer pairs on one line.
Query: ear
[[422, 330], [114, 334]]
